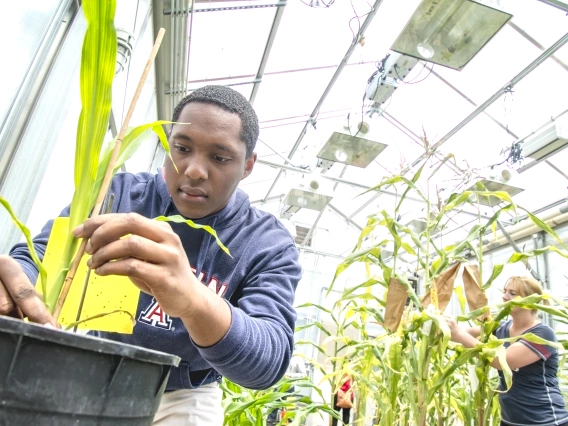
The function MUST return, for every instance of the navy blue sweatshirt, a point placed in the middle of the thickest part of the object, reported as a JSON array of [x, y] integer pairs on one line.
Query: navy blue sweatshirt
[[258, 283]]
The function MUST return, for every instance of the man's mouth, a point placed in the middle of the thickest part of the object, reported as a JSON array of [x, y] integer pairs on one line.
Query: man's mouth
[[192, 194]]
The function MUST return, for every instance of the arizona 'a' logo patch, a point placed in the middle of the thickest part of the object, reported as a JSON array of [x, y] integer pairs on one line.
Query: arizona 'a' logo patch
[[155, 316]]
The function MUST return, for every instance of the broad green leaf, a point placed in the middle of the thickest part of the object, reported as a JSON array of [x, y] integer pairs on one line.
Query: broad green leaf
[[543, 226], [409, 187], [497, 269], [129, 145], [516, 257], [191, 223], [408, 248], [29, 242], [501, 354], [393, 180], [461, 297], [98, 62]]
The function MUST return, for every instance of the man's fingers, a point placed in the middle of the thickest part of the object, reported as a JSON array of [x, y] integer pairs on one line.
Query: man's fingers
[[131, 246], [17, 286], [7, 305], [111, 227], [91, 225]]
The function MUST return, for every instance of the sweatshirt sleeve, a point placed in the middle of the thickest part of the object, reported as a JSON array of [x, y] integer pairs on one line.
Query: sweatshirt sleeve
[[257, 349]]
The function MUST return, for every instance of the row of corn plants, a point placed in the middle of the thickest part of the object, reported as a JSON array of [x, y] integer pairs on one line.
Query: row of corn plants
[[411, 373]]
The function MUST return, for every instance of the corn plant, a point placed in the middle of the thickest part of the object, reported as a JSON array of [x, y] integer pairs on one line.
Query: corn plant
[[95, 163], [245, 407], [412, 374]]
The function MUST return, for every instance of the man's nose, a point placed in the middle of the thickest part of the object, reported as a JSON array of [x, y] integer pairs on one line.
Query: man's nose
[[196, 169]]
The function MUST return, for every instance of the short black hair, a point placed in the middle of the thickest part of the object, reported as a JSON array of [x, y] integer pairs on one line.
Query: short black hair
[[230, 100]]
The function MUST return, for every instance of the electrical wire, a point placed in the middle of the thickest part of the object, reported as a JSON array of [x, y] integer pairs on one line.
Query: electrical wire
[[358, 21], [325, 5], [414, 80], [129, 62]]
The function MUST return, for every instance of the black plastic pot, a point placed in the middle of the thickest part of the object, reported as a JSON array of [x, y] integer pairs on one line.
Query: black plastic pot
[[51, 377]]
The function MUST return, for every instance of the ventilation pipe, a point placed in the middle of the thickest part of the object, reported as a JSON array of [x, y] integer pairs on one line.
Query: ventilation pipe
[[526, 227]]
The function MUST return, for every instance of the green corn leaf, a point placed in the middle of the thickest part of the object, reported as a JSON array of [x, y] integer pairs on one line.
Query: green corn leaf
[[473, 314], [29, 242], [516, 257], [372, 223], [408, 248], [497, 269], [415, 238], [543, 226], [128, 147], [191, 223], [98, 62], [394, 180], [461, 297], [409, 187], [318, 325], [501, 354], [372, 254], [473, 233], [393, 348], [451, 367], [369, 283]]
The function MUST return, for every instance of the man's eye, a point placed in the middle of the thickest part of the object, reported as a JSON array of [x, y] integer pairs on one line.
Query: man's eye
[[181, 148], [221, 159]]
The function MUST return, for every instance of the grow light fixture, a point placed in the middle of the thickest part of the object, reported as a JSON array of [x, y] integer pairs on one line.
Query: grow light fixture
[[350, 146], [499, 179], [547, 142], [449, 32], [308, 194]]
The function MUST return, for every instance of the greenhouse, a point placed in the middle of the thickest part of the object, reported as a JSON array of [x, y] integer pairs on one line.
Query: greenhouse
[[272, 212]]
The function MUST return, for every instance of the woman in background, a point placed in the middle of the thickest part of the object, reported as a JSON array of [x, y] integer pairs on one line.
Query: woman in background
[[534, 397]]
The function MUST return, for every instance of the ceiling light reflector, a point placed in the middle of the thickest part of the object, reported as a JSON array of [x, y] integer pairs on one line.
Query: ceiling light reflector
[[449, 32]]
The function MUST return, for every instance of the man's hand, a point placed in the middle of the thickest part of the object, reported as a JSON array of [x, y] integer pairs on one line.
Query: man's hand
[[18, 297], [151, 254], [146, 251]]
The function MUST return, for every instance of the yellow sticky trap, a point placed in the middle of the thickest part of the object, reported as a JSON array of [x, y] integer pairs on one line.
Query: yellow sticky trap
[[105, 294]]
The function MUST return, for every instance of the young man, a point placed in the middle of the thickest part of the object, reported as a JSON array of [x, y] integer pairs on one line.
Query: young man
[[224, 316]]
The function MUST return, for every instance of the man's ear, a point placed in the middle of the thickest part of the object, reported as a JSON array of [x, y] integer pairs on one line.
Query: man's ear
[[249, 165]]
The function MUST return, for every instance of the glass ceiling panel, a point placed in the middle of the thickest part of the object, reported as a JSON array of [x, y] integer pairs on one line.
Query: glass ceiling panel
[[349, 89], [213, 54], [493, 67], [312, 37], [385, 27], [429, 106], [290, 94], [258, 182], [539, 96], [560, 160], [241, 85], [544, 23], [543, 185], [279, 137], [478, 144]]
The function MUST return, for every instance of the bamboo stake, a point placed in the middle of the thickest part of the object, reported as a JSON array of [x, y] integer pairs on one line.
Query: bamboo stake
[[108, 174]]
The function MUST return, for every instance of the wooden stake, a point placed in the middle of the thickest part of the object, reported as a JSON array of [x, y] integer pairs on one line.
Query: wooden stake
[[108, 174]]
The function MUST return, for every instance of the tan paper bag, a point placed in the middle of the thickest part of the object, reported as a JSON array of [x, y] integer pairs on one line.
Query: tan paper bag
[[445, 287]]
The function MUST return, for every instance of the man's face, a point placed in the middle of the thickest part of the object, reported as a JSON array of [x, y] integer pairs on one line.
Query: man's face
[[210, 157]]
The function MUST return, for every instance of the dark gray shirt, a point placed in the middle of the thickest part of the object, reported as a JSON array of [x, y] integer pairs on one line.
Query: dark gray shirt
[[534, 398]]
